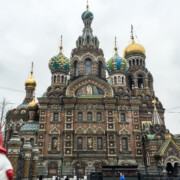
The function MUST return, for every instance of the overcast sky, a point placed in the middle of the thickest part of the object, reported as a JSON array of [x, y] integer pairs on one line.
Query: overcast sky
[[30, 30]]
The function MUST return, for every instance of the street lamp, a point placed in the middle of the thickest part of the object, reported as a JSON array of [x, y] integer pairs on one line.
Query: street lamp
[[61, 158], [78, 165]]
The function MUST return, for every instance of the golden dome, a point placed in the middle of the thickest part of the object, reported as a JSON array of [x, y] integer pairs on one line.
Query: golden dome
[[30, 82], [32, 106], [134, 48]]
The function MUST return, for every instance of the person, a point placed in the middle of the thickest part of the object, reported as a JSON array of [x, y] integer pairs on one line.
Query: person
[[122, 177], [67, 178]]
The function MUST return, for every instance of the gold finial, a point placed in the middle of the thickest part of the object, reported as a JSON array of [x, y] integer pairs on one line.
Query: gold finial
[[61, 47], [87, 6], [132, 36], [154, 102], [115, 48], [32, 68]]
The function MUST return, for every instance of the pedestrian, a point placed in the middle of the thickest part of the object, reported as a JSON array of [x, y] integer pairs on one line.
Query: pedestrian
[[122, 177], [57, 178], [67, 178]]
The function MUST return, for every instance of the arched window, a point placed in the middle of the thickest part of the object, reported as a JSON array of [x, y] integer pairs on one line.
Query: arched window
[[89, 116], [55, 117], [32, 142], [75, 68], [62, 79], [122, 79], [100, 69], [123, 118], [54, 79], [54, 143], [99, 143], [133, 62], [79, 143], [137, 61], [131, 84], [80, 116], [87, 39], [141, 62], [90, 143], [140, 81], [88, 66], [115, 80], [80, 42], [124, 144], [99, 116], [129, 63]]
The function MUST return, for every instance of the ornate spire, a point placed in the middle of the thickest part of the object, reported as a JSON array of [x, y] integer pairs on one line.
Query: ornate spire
[[115, 48], [132, 35], [156, 118], [32, 68], [30, 82], [61, 47], [87, 6]]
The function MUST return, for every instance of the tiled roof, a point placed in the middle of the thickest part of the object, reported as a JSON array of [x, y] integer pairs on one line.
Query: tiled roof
[[30, 127]]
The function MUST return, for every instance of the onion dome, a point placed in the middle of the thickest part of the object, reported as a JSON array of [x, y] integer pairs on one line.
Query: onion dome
[[30, 82], [117, 63], [87, 14], [134, 48], [33, 106], [59, 62]]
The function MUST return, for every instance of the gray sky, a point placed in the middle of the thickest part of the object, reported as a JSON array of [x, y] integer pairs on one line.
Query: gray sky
[[30, 31]]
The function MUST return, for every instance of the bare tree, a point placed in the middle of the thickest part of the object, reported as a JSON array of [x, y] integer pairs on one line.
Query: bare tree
[[3, 111]]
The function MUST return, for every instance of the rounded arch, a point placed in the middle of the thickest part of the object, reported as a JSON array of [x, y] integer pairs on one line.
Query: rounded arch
[[88, 56], [89, 79], [170, 158]]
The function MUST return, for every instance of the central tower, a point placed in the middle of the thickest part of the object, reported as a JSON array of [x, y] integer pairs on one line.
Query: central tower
[[87, 58]]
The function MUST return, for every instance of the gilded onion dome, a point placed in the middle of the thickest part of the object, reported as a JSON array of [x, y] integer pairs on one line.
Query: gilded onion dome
[[30, 82], [117, 63], [87, 14], [134, 48], [59, 62], [33, 106]]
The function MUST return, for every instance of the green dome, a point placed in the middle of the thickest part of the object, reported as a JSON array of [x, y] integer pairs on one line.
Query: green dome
[[59, 62], [117, 63]]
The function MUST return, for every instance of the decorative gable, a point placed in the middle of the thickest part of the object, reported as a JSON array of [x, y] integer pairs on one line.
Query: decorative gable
[[54, 131], [79, 130]]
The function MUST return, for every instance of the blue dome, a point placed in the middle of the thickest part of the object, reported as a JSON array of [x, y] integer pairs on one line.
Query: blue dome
[[87, 15], [117, 63]]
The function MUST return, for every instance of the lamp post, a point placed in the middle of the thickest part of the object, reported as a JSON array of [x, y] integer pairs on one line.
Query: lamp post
[[78, 165], [61, 158]]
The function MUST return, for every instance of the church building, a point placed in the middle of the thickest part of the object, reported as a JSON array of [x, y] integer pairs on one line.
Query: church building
[[96, 114]]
